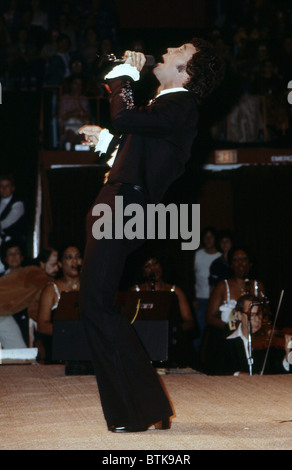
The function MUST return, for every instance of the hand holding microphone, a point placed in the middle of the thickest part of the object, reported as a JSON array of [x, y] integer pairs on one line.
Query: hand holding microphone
[[132, 56], [136, 59]]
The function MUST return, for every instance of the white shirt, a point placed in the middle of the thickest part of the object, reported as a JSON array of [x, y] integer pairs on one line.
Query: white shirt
[[203, 261], [238, 333]]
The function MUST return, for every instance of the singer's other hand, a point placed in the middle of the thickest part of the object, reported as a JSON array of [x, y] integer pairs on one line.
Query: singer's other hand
[[91, 135], [136, 59]]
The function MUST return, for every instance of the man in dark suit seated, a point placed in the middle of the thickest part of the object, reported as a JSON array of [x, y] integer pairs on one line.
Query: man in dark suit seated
[[238, 352], [154, 144]]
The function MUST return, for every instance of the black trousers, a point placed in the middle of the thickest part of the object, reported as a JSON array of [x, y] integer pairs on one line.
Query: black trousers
[[130, 390]]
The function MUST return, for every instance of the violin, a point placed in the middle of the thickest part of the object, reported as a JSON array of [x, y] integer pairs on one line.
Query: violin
[[261, 339]]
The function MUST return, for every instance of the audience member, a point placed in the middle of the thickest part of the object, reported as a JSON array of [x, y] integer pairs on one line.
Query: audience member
[[243, 41], [102, 65], [20, 290], [12, 256], [220, 268], [57, 67], [90, 87], [65, 26], [223, 299], [75, 110], [267, 81], [203, 259], [39, 16], [50, 46], [25, 66], [285, 58], [89, 48], [12, 211]]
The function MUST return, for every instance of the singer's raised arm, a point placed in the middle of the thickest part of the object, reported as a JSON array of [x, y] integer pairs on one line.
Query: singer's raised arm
[[161, 118]]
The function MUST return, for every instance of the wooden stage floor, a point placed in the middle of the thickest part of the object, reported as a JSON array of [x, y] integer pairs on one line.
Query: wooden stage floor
[[43, 409]]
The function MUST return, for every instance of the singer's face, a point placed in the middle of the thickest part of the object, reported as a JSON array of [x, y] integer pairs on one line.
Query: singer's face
[[176, 56], [71, 261]]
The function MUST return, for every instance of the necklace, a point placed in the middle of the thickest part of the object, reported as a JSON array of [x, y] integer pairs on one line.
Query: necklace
[[242, 289], [72, 285]]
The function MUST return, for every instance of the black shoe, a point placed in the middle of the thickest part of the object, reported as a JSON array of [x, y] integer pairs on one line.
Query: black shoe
[[163, 424], [126, 429]]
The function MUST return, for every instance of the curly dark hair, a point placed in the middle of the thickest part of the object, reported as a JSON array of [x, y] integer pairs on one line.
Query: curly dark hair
[[205, 69]]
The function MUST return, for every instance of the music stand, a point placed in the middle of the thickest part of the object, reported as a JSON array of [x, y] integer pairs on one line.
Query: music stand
[[154, 317]]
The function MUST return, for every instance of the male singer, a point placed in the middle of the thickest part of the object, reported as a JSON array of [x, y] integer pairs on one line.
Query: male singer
[[154, 145]]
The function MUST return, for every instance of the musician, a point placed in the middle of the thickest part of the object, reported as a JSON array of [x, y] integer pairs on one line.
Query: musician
[[222, 302], [70, 262], [153, 276], [154, 147], [237, 353], [180, 353]]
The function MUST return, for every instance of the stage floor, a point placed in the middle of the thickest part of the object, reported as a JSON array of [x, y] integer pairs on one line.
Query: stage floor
[[42, 409]]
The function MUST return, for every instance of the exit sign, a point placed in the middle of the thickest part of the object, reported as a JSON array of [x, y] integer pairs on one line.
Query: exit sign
[[223, 157]]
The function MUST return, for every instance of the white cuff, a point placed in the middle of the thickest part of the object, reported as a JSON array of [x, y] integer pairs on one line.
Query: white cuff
[[110, 162], [104, 140], [122, 70], [286, 365]]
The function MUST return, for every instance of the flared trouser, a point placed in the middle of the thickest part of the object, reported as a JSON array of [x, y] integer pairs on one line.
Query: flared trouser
[[131, 392]]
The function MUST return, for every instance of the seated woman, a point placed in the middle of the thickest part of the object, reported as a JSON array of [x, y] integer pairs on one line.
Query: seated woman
[[152, 272], [12, 255], [221, 306], [246, 353], [20, 289], [70, 262]]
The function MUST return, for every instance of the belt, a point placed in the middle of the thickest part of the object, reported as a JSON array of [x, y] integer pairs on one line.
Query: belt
[[136, 187]]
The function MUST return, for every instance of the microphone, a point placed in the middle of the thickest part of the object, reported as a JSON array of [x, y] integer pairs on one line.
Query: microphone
[[152, 279], [150, 60], [253, 304]]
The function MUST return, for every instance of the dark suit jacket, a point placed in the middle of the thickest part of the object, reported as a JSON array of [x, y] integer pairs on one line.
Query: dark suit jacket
[[155, 141]]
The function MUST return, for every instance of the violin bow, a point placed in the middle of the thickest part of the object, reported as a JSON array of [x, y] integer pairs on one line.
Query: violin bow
[[272, 333]]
